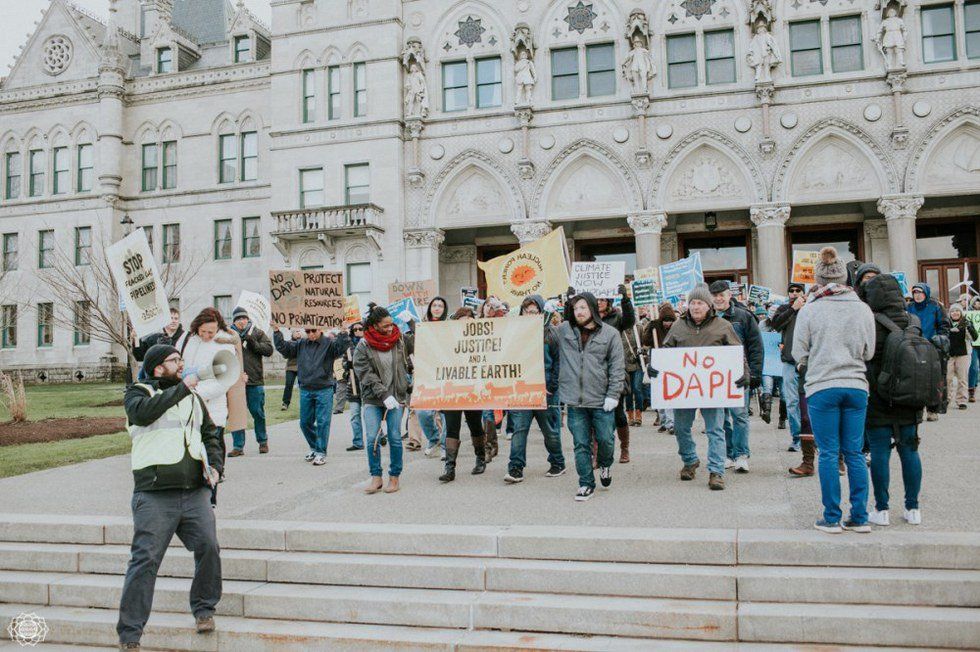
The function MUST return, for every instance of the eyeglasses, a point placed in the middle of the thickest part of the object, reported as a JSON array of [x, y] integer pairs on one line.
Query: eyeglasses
[[174, 360], [310, 330]]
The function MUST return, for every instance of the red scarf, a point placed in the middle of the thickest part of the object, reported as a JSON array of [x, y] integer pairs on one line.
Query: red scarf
[[382, 342]]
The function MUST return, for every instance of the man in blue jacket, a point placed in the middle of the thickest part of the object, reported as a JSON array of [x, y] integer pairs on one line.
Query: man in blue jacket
[[935, 328]]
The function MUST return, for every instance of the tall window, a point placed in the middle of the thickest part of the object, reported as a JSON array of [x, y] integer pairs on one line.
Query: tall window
[[170, 165], [37, 173], [333, 92], [309, 95], [45, 325], [150, 167], [165, 60], [10, 244], [971, 17], [251, 237], [82, 319], [360, 90], [171, 243], [83, 245], [489, 87], [222, 239], [228, 154], [14, 172], [804, 46], [938, 40], [600, 62], [682, 61], [250, 156], [357, 183], [8, 326], [564, 74], [455, 86], [311, 188], [148, 232], [846, 53], [359, 280], [222, 303], [61, 171], [243, 49], [86, 169], [45, 249], [719, 56]]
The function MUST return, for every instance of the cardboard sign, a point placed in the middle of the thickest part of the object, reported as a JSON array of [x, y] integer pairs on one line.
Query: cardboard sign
[[697, 377], [759, 295], [258, 308], [601, 279], [352, 309], [804, 263], [772, 364], [540, 267], [421, 291], [646, 273], [680, 277], [646, 293], [403, 313], [307, 299], [480, 364], [134, 270]]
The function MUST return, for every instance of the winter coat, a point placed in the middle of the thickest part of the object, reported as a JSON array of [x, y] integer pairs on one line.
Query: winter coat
[[883, 295], [591, 373], [784, 322], [631, 351], [961, 336], [255, 346], [227, 407], [747, 329], [660, 326], [622, 318], [552, 361], [139, 351], [367, 368], [315, 360], [713, 331], [931, 315]]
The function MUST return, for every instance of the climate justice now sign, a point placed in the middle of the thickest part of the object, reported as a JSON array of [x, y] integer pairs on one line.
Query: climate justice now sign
[[697, 377]]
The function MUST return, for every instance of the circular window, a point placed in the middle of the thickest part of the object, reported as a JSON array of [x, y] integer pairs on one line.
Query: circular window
[[57, 55]]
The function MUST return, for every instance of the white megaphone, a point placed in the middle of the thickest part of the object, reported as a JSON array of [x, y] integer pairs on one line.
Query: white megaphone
[[224, 368]]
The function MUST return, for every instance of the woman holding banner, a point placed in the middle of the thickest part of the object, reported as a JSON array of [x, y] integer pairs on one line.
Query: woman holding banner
[[381, 366]]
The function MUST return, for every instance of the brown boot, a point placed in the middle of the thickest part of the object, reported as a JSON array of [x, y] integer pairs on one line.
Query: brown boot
[[805, 469], [639, 417], [973, 395], [624, 444], [490, 429]]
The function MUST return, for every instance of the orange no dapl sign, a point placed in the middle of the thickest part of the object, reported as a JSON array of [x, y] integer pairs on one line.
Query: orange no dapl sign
[[804, 263], [311, 299]]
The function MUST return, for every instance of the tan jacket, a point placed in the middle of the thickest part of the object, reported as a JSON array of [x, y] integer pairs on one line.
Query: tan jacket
[[237, 405]]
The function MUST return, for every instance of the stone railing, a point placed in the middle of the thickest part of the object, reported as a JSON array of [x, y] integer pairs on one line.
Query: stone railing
[[329, 218]]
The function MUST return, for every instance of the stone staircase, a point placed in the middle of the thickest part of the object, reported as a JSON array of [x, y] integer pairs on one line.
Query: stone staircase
[[306, 586]]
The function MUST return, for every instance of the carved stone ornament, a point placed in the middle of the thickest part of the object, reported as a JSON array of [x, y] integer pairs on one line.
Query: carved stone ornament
[[638, 68], [457, 254], [760, 13], [413, 53], [645, 223], [525, 79], [643, 157], [428, 238], [530, 231], [896, 81], [580, 17], [638, 25], [414, 127], [884, 5], [890, 39], [900, 207], [522, 39], [525, 169], [900, 137], [765, 92], [767, 146], [56, 55], [763, 54], [416, 178], [524, 115], [876, 229], [769, 215]]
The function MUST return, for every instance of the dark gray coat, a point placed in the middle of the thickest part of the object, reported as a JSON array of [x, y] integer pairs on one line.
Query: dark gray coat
[[588, 375], [366, 367]]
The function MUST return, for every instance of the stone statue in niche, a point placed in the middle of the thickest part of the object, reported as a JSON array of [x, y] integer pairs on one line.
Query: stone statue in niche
[[525, 78], [416, 93], [638, 68], [413, 53], [891, 39], [763, 55]]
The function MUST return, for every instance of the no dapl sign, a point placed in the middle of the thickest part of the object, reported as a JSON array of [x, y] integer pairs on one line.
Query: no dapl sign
[[697, 377], [307, 299]]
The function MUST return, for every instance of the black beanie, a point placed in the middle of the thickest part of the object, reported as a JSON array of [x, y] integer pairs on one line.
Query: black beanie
[[798, 286], [155, 357]]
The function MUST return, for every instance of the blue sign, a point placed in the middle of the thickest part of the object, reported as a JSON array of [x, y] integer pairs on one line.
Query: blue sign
[[902, 282], [680, 277], [403, 312], [772, 364]]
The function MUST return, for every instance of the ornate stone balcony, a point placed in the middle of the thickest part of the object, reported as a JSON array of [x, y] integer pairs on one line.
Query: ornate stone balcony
[[328, 224]]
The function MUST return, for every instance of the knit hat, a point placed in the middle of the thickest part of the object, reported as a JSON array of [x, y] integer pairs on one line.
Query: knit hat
[[155, 357], [717, 287], [799, 287], [700, 293], [238, 312], [866, 268], [829, 269]]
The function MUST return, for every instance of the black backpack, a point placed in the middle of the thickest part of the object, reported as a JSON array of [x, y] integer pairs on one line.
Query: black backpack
[[911, 374]]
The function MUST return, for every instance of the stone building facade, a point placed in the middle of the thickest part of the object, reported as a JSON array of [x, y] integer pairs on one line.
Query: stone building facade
[[408, 139]]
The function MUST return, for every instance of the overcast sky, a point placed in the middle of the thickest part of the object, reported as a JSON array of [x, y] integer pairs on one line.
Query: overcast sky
[[19, 17]]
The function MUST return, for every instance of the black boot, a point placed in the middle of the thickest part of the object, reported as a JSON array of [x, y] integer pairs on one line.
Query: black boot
[[490, 447], [479, 447], [765, 407], [452, 450]]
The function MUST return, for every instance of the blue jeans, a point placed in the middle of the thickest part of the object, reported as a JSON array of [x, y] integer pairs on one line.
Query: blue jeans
[[666, 417], [736, 429], [372, 428], [714, 421], [255, 399], [315, 411], [634, 398], [582, 421], [974, 374], [355, 424], [880, 439], [427, 422], [791, 396], [837, 416], [548, 422], [287, 391]]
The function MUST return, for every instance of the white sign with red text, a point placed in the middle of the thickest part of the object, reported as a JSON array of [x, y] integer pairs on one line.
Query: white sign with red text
[[697, 377]]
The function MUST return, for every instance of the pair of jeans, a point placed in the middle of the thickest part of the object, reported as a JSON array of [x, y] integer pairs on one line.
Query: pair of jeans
[[434, 434], [255, 399], [583, 422], [373, 414], [635, 387], [666, 417], [548, 421], [880, 439], [157, 516], [356, 424], [791, 394], [714, 421], [974, 374], [287, 391], [315, 412], [837, 416], [736, 429]]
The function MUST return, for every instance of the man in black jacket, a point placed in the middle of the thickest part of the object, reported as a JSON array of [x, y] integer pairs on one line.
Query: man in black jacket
[[784, 322], [176, 459], [255, 346]]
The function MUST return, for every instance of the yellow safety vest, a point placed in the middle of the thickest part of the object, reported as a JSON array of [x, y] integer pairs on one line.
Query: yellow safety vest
[[163, 442]]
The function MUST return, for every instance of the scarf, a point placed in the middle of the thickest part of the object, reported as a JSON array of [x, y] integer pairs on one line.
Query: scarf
[[829, 290], [381, 342]]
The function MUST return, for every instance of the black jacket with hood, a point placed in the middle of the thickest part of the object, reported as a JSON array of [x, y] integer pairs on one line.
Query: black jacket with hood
[[552, 357], [747, 328]]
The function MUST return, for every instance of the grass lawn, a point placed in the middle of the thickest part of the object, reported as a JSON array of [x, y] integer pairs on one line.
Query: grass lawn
[[84, 400]]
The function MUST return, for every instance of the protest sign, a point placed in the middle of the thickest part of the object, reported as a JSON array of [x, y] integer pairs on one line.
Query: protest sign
[[134, 270], [902, 282], [645, 273], [646, 293], [540, 267], [738, 289], [403, 313], [772, 363], [421, 291], [352, 309], [601, 279], [258, 308], [467, 295], [307, 299], [697, 377], [804, 263], [480, 364], [680, 277], [759, 295]]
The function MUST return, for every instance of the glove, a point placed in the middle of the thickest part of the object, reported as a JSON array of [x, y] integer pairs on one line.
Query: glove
[[570, 292], [651, 372], [622, 291], [756, 383], [742, 382], [391, 403], [609, 404]]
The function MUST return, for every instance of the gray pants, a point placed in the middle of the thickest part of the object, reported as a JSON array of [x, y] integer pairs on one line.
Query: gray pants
[[341, 393], [157, 516]]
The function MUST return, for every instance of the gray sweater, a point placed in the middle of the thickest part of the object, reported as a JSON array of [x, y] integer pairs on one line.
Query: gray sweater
[[834, 337]]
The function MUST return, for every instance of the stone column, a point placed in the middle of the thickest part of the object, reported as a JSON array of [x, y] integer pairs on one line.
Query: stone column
[[529, 231], [647, 227], [422, 254], [770, 221], [900, 212]]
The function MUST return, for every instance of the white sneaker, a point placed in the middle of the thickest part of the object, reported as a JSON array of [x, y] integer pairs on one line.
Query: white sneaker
[[319, 460], [309, 456], [729, 463], [913, 517], [510, 436], [429, 450], [878, 518], [741, 464]]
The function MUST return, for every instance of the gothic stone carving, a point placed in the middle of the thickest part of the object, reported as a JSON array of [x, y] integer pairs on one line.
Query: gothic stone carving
[[890, 39], [644, 223], [459, 254], [769, 215], [899, 207], [429, 238], [763, 55], [530, 231]]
